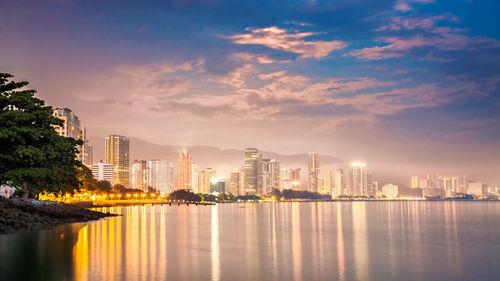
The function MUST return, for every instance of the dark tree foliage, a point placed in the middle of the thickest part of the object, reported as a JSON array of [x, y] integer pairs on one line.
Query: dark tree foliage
[[248, 197], [86, 178], [153, 190], [184, 195], [104, 186], [301, 194], [33, 157], [276, 193], [122, 189]]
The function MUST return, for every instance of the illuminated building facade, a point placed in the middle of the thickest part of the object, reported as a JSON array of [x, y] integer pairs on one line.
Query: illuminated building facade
[[253, 182], [103, 172], [72, 128], [359, 179], [161, 175], [204, 178], [314, 172], [140, 175], [184, 171], [117, 154]]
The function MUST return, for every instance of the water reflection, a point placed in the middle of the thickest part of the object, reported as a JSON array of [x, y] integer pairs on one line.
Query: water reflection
[[340, 245], [277, 241], [296, 242], [215, 258]]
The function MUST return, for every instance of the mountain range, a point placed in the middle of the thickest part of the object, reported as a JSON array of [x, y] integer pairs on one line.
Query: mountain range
[[223, 160]]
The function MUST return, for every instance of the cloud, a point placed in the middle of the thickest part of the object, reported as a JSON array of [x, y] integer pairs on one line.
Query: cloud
[[428, 36], [293, 42], [262, 59], [237, 77], [404, 5]]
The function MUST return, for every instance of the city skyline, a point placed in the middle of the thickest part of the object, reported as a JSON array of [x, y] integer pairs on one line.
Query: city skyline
[[257, 175], [403, 85]]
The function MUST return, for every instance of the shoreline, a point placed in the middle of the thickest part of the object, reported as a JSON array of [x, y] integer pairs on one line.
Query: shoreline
[[27, 215]]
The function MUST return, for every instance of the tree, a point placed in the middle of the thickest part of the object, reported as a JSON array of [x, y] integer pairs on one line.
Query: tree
[[86, 178], [276, 193], [186, 195], [104, 186], [33, 157]]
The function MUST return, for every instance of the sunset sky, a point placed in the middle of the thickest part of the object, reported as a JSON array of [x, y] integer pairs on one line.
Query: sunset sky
[[408, 86]]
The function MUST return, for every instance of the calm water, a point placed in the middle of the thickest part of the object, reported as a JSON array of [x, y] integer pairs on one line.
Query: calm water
[[268, 241]]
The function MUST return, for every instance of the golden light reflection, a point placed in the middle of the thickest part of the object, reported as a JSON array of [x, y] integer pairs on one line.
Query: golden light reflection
[[296, 242], [273, 241], [143, 240], [360, 241], [163, 258], [340, 244], [215, 250], [81, 255]]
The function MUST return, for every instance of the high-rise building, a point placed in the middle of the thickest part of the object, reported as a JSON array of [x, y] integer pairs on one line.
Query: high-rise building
[[72, 128], [117, 154], [450, 186], [140, 175], [294, 177], [217, 185], [372, 185], [252, 171], [161, 175], [194, 178], [415, 182], [270, 175], [475, 188], [103, 172], [339, 183], [235, 183], [463, 184], [390, 191], [359, 179], [88, 155], [204, 178], [184, 171], [314, 172], [326, 182]]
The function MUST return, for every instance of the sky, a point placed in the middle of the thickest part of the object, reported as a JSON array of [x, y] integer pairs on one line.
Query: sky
[[408, 86]]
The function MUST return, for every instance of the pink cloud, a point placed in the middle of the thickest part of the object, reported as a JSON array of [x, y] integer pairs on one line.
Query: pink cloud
[[399, 47], [431, 36], [293, 42], [263, 59]]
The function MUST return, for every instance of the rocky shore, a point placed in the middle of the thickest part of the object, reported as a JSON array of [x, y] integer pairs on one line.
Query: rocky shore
[[17, 214]]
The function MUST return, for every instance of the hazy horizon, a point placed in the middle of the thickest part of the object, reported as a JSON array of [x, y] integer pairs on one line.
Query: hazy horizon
[[407, 86]]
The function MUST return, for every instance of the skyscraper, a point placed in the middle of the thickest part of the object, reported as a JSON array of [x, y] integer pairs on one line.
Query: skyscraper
[[72, 128], [314, 172], [161, 175], [184, 171], [117, 154], [270, 175], [194, 178], [140, 175], [326, 182], [415, 182], [359, 179], [235, 182], [217, 185], [294, 177], [88, 155], [252, 170], [204, 178], [339, 183], [463, 184]]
